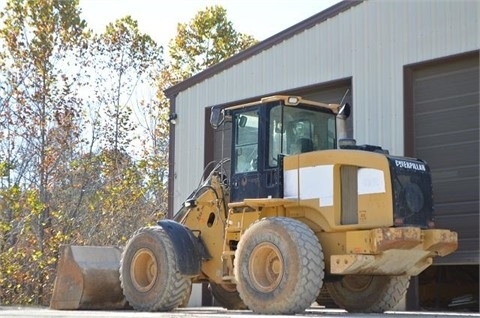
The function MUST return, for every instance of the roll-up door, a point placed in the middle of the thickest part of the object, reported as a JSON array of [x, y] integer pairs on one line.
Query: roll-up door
[[446, 134]]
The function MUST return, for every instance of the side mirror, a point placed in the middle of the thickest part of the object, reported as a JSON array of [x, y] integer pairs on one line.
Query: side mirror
[[344, 111], [242, 121], [217, 116]]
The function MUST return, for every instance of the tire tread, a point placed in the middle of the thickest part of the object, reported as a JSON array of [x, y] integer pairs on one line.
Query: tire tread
[[311, 264], [177, 286]]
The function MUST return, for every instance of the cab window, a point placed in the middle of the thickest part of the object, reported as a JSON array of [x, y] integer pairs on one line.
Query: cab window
[[246, 141], [297, 129]]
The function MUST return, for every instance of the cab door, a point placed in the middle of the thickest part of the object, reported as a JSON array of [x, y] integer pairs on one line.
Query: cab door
[[245, 175]]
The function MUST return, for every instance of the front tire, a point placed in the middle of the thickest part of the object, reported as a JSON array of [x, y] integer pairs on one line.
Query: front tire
[[279, 266], [368, 294], [186, 298], [149, 274]]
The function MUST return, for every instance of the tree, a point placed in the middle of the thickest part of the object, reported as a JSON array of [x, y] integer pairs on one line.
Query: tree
[[123, 59], [208, 39], [126, 63], [153, 122], [41, 41]]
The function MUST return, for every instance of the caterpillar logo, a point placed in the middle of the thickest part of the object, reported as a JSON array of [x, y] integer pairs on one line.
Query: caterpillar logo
[[410, 165]]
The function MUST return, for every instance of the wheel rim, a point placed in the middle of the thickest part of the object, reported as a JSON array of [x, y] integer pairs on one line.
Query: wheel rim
[[266, 267], [357, 283], [143, 270]]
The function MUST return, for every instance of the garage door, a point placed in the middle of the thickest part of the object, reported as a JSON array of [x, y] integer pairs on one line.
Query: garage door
[[446, 135]]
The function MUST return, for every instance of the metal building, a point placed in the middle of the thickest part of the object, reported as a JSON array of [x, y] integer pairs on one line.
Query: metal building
[[410, 69]]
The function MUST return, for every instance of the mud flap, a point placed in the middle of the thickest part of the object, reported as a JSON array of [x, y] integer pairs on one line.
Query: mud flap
[[88, 278]]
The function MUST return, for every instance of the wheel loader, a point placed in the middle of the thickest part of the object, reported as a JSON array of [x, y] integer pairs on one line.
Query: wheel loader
[[295, 209]]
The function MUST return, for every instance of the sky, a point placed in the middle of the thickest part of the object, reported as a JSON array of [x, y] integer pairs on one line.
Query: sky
[[258, 18]]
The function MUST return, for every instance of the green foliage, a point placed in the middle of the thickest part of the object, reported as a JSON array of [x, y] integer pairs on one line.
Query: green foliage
[[208, 39], [27, 267]]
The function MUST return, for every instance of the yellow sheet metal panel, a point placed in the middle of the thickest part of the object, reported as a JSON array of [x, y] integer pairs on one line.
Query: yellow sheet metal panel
[[314, 180]]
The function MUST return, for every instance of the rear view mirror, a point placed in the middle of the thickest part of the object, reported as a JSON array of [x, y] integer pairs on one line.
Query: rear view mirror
[[242, 121], [217, 116], [344, 111]]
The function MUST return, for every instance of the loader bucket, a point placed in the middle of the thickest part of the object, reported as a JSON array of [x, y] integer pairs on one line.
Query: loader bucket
[[88, 278]]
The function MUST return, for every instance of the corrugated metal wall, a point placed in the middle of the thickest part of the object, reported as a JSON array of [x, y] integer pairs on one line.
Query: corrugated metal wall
[[370, 43]]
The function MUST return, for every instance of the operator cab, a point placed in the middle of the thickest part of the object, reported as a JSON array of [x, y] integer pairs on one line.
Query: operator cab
[[266, 131]]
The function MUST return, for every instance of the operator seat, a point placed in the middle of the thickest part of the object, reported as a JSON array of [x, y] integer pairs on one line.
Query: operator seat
[[305, 144]]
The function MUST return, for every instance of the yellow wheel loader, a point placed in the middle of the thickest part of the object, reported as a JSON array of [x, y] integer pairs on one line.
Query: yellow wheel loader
[[296, 207]]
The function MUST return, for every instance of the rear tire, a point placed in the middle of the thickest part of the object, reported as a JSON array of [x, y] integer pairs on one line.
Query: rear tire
[[227, 296], [324, 299], [279, 266], [149, 274], [368, 294]]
